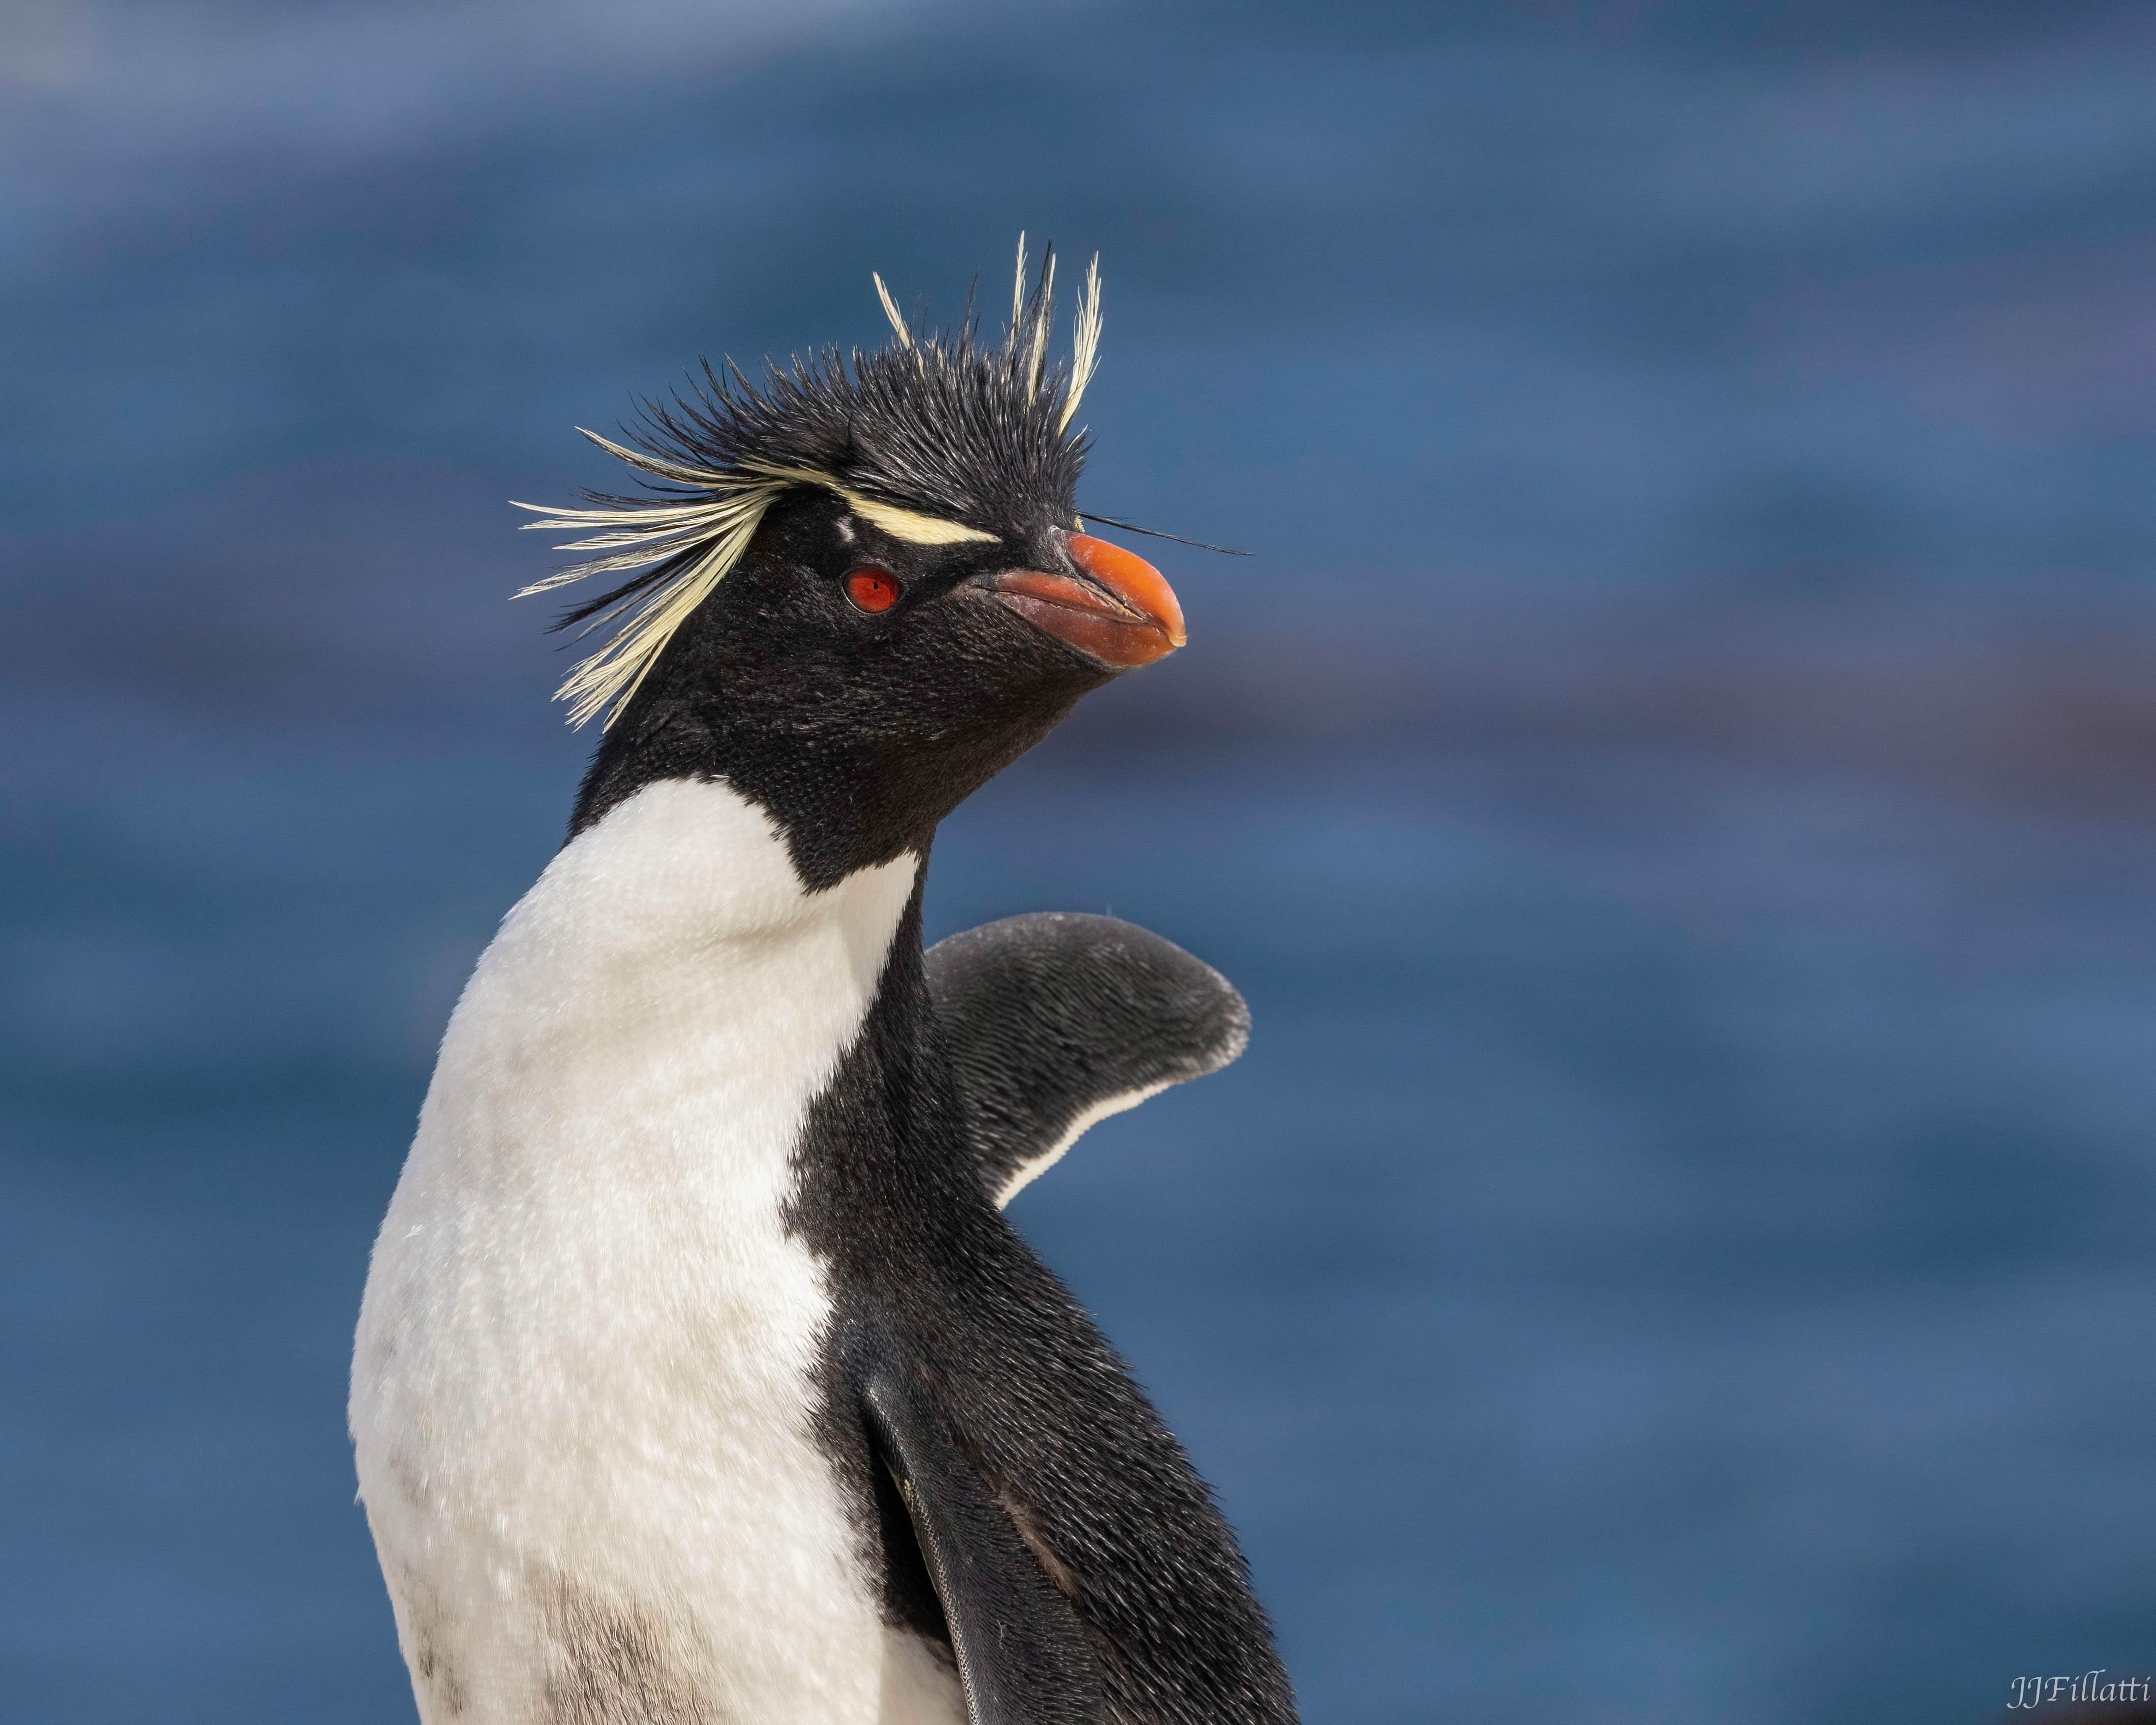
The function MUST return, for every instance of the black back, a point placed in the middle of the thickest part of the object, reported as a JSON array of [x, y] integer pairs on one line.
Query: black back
[[924, 1266]]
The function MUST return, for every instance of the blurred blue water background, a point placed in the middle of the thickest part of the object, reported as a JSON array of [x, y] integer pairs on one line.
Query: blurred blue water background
[[1677, 784]]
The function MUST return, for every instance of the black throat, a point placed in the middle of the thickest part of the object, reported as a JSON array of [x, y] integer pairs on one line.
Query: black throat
[[856, 735]]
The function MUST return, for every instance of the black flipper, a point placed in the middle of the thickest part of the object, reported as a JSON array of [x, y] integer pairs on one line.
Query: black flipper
[[1056, 1020], [1023, 1656]]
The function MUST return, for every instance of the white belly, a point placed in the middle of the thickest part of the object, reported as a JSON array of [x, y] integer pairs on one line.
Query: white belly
[[584, 1384]]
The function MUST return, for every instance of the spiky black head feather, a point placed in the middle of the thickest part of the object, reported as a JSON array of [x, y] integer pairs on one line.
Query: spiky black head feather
[[941, 438], [946, 426]]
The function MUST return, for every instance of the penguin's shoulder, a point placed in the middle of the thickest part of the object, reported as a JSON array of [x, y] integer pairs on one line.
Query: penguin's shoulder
[[1056, 1020]]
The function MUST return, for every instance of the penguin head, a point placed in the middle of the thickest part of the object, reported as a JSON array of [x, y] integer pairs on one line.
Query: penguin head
[[863, 585]]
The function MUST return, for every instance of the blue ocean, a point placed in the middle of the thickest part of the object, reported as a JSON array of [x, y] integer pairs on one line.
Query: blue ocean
[[1676, 779]]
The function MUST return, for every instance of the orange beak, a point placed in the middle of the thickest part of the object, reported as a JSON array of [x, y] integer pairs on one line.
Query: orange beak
[[1124, 615]]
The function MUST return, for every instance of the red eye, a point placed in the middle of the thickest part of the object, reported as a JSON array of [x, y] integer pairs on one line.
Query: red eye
[[872, 590]]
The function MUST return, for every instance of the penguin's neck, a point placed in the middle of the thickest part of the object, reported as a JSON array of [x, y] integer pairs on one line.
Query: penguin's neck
[[693, 858], [848, 790], [840, 805], [669, 976]]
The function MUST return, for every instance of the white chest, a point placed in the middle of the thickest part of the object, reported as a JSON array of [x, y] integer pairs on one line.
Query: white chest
[[583, 1383]]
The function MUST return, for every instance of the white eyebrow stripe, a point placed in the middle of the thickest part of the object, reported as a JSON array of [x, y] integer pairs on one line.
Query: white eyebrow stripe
[[914, 529]]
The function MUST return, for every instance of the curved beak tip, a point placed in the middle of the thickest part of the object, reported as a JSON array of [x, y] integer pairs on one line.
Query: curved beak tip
[[1134, 581]]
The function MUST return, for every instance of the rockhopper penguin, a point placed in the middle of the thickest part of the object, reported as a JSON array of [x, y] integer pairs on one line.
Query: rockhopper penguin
[[699, 1380]]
